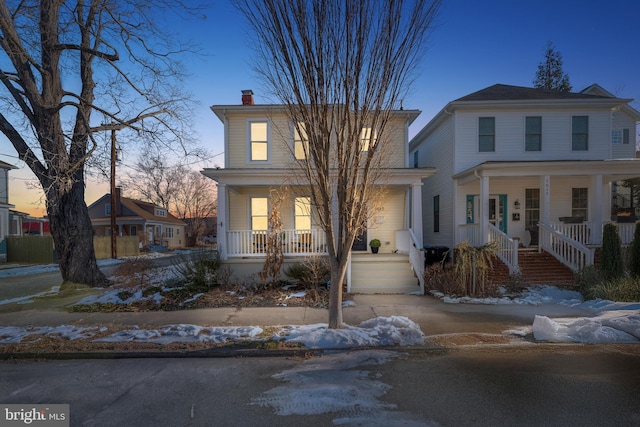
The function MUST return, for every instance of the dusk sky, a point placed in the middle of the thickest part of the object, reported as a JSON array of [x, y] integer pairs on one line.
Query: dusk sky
[[474, 45]]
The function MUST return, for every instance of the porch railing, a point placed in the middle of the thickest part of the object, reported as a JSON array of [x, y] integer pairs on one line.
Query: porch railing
[[294, 242], [416, 258], [507, 248], [470, 233], [584, 232], [626, 231], [568, 251]]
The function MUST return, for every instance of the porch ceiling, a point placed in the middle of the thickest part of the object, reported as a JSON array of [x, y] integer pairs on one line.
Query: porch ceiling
[[618, 168]]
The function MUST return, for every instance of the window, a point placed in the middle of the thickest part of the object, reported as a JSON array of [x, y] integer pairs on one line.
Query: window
[[579, 202], [580, 133], [436, 214], [415, 159], [625, 136], [300, 142], [367, 136], [486, 134], [168, 232], [107, 209], [133, 230], [302, 213], [533, 134], [616, 137], [258, 141], [531, 207], [259, 213], [161, 212]]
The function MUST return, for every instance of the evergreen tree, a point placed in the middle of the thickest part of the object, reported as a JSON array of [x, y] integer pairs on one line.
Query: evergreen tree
[[611, 264], [550, 75], [635, 253]]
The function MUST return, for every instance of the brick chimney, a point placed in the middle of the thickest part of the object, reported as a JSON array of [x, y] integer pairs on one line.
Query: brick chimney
[[247, 97]]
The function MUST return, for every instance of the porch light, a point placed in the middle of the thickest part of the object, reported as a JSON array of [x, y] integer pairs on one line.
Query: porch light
[[516, 204]]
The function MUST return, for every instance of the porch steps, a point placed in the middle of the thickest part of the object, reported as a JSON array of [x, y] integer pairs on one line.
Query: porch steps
[[382, 273], [536, 269]]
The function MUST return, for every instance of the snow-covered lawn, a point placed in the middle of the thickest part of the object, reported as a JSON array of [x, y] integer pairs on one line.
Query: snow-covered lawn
[[611, 321]]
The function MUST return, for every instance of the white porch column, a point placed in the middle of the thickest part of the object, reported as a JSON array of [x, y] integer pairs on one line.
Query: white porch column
[[416, 211], [545, 196], [484, 210], [595, 209], [222, 221]]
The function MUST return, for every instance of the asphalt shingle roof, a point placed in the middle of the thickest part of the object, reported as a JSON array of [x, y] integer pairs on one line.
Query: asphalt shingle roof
[[500, 92]]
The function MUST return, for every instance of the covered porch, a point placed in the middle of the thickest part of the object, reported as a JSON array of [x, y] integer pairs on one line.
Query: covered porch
[[559, 207]]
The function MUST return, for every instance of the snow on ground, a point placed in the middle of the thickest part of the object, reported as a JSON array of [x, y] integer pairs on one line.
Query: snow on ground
[[611, 321]]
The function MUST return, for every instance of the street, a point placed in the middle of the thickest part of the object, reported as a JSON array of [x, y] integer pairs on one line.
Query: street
[[550, 385]]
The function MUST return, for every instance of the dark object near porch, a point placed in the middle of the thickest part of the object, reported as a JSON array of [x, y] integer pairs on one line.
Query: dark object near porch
[[534, 232], [626, 215], [572, 219], [434, 254]]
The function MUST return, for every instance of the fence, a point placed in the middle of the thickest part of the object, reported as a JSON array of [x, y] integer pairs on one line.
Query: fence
[[125, 246], [31, 249]]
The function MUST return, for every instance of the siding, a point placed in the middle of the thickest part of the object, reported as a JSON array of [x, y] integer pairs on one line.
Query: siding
[[384, 224], [624, 121], [510, 135]]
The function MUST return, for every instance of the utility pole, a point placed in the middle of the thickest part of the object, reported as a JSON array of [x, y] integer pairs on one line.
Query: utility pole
[[114, 234]]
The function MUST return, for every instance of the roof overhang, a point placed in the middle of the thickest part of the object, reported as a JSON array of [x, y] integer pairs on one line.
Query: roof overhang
[[276, 176], [619, 168]]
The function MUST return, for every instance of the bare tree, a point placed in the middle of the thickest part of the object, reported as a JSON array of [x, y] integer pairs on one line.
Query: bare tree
[[339, 67], [63, 61], [194, 201]]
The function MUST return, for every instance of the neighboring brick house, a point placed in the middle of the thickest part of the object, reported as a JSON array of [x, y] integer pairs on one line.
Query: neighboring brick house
[[154, 225]]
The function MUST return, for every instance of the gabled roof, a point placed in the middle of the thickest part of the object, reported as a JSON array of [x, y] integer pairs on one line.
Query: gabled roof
[[7, 166], [500, 92], [140, 208]]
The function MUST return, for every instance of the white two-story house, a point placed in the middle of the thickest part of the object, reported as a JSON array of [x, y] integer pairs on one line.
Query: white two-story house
[[527, 167], [260, 149]]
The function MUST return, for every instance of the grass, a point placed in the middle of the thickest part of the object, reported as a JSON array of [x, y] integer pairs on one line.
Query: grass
[[594, 284]]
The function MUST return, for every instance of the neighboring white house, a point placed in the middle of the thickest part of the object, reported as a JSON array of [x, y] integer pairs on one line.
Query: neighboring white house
[[5, 206], [517, 164], [259, 147]]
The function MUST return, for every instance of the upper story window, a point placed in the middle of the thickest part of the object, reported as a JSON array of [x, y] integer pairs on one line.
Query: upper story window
[[300, 142], [258, 141], [161, 212], [580, 133], [533, 134], [616, 137], [367, 136], [486, 134], [107, 209], [416, 159]]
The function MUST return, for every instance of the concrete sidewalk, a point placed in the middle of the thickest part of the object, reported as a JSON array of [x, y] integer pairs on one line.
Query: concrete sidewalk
[[433, 316]]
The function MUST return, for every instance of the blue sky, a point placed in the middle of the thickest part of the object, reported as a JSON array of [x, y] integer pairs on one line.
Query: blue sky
[[474, 45]]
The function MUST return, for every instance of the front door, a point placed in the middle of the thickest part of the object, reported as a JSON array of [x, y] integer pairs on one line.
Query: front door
[[498, 212], [360, 243]]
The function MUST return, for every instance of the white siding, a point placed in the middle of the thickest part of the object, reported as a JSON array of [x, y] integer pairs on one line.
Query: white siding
[[623, 121], [510, 136], [384, 224]]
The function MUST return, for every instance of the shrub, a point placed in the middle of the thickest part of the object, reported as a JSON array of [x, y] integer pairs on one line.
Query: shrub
[[311, 272], [611, 263], [621, 289], [442, 279], [200, 270], [634, 265], [472, 267]]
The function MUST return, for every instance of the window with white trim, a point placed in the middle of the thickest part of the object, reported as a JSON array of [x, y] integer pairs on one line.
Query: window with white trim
[[486, 134], [168, 232], [258, 141], [302, 213], [300, 142], [580, 202], [531, 207], [616, 136], [580, 133], [533, 134], [259, 207], [367, 137]]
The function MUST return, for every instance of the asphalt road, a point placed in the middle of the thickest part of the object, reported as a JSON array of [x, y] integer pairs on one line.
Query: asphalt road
[[541, 385]]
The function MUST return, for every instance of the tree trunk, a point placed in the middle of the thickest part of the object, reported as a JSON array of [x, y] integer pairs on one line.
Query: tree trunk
[[338, 271], [73, 235]]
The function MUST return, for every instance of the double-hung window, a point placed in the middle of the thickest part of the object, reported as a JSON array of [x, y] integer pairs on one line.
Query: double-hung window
[[486, 134], [302, 214], [258, 141], [259, 213], [300, 142], [367, 138], [580, 202], [533, 134], [531, 207], [580, 133]]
